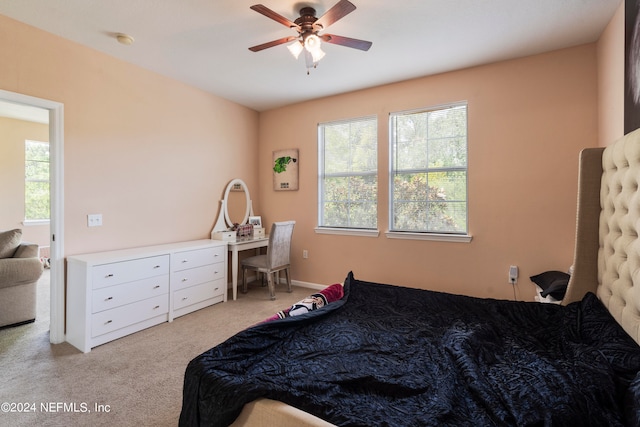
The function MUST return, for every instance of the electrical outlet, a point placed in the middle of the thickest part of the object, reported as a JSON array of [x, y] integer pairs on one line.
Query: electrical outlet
[[513, 274], [305, 254], [94, 220]]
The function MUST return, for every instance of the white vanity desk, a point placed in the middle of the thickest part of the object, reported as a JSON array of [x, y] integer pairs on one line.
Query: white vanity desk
[[243, 245], [237, 200]]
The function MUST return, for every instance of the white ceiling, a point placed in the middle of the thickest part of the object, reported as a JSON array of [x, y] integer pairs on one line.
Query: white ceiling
[[204, 43]]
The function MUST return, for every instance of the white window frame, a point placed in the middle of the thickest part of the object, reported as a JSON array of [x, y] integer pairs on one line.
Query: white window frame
[[351, 231], [39, 221], [427, 235]]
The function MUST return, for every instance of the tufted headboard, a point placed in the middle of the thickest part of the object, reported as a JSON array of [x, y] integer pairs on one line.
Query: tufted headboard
[[607, 249]]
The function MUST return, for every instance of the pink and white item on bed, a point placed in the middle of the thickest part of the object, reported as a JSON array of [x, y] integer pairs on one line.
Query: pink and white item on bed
[[312, 302]]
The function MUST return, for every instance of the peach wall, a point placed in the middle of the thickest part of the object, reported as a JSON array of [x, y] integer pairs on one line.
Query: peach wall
[[528, 120], [153, 156], [150, 154], [610, 53], [13, 134]]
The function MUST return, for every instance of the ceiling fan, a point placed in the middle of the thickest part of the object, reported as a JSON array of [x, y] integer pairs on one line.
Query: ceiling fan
[[309, 27]]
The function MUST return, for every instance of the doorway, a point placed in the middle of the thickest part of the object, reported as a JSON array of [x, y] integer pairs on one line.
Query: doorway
[[56, 224]]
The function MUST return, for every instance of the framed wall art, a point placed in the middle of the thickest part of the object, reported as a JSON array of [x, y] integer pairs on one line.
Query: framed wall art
[[285, 170]]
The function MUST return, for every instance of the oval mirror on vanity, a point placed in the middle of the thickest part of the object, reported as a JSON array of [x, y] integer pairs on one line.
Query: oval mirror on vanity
[[235, 208], [237, 202]]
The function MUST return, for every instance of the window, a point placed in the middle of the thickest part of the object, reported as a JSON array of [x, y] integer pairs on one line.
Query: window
[[348, 177], [428, 170], [36, 182]]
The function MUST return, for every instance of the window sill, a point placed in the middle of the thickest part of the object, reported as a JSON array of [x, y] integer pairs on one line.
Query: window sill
[[33, 222], [361, 232], [457, 238]]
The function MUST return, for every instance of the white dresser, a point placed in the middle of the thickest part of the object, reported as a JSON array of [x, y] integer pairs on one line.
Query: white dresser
[[116, 293]]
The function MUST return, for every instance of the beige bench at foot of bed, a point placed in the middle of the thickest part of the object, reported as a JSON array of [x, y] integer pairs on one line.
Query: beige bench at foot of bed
[[270, 413]]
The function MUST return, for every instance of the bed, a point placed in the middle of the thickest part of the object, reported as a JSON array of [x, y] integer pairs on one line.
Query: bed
[[385, 355]]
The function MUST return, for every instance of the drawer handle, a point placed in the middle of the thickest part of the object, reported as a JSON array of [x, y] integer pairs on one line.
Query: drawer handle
[[108, 321], [185, 279], [184, 298], [156, 286], [108, 275], [109, 299], [156, 307], [215, 289], [184, 261], [156, 266]]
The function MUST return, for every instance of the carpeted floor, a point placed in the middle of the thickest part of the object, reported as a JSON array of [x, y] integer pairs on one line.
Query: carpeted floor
[[133, 381]]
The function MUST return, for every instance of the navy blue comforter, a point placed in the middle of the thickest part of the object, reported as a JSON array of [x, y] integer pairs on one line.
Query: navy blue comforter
[[392, 356]]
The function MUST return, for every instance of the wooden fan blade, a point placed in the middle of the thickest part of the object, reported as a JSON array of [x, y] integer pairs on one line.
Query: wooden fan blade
[[272, 43], [264, 10], [346, 41], [338, 11]]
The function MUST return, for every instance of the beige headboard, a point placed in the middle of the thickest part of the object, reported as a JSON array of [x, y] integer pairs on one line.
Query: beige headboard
[[607, 250]]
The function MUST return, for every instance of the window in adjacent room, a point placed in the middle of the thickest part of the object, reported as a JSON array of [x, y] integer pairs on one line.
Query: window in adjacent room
[[348, 177], [428, 171], [36, 185]]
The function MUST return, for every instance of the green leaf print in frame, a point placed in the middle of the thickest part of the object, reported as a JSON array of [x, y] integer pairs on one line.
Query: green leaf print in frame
[[285, 170]]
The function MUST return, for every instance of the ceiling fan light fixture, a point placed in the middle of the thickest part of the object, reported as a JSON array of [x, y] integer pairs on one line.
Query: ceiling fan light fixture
[[296, 48], [312, 43], [317, 55], [308, 42]]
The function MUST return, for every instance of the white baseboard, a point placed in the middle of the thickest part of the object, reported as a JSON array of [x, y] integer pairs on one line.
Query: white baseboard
[[300, 283], [305, 284]]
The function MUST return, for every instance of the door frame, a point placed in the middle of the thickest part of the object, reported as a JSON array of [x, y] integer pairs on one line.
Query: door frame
[[56, 222]]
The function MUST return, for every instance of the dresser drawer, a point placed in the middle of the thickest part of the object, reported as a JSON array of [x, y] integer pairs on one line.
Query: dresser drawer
[[194, 276], [126, 315], [195, 294], [129, 271], [115, 296], [197, 258]]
